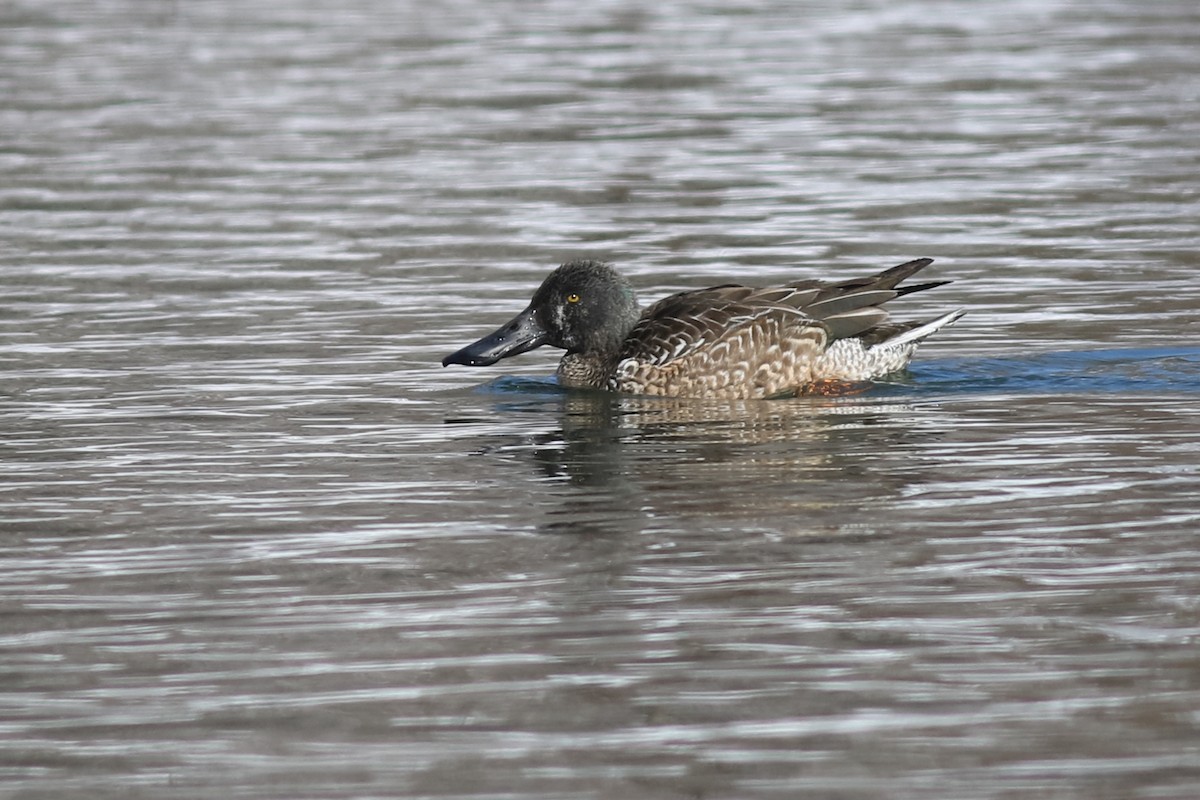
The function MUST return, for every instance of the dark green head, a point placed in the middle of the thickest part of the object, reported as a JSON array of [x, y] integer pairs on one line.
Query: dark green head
[[581, 307]]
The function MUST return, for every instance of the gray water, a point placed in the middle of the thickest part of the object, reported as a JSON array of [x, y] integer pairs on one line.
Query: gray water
[[257, 543]]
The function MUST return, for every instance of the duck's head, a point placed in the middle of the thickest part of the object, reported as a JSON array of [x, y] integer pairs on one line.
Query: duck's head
[[581, 307]]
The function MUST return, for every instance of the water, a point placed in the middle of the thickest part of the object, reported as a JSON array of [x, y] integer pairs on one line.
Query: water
[[255, 541]]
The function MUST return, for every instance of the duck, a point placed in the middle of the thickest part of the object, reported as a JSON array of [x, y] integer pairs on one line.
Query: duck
[[729, 342]]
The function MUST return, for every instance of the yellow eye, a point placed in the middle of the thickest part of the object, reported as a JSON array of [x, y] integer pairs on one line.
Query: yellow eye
[[572, 298]]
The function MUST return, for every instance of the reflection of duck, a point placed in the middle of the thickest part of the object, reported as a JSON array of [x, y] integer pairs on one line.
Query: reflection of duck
[[726, 341], [619, 463]]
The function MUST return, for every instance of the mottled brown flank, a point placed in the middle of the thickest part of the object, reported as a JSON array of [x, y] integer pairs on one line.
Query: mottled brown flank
[[760, 352]]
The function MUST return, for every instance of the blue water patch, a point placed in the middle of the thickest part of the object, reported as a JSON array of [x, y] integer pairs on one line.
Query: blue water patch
[[520, 385], [1161, 370]]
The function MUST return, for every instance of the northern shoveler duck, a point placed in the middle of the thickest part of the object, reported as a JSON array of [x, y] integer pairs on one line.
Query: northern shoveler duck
[[729, 341]]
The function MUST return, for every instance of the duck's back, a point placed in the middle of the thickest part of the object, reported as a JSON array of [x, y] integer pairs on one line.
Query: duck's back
[[724, 342]]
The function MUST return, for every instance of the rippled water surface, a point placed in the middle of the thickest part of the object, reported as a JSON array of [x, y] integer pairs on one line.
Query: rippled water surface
[[256, 542]]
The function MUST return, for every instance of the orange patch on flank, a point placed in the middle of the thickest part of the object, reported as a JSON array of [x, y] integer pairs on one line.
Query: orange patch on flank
[[831, 387]]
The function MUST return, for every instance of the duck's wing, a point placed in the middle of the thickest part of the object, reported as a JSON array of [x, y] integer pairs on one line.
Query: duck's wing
[[726, 341], [689, 322], [854, 307]]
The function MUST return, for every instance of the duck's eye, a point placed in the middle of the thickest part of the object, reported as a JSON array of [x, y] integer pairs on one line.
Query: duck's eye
[[572, 298]]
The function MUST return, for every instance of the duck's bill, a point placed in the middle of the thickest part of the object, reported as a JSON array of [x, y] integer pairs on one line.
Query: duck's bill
[[519, 335]]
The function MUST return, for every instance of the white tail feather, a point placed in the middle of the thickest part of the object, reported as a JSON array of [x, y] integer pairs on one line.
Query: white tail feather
[[918, 333]]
